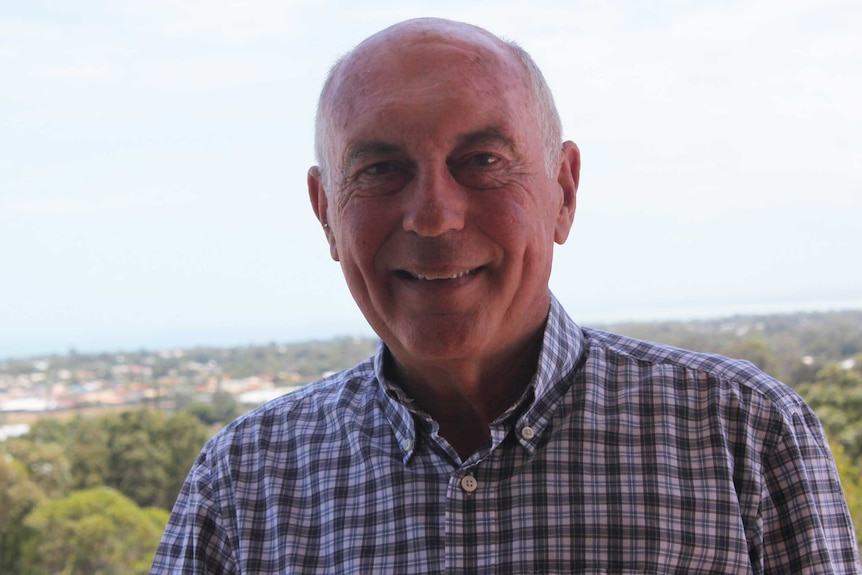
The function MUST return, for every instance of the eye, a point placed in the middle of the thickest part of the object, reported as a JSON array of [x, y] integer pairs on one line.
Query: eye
[[481, 170], [378, 178], [379, 169], [483, 159]]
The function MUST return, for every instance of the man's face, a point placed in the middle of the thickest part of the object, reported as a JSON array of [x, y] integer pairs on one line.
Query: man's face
[[440, 209]]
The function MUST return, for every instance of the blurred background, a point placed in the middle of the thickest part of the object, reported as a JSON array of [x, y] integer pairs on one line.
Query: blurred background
[[153, 157]]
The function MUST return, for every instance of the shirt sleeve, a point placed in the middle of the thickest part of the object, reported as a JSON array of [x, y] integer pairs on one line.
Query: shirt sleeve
[[196, 540], [806, 526]]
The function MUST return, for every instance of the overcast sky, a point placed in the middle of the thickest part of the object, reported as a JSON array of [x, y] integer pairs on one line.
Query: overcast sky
[[153, 157]]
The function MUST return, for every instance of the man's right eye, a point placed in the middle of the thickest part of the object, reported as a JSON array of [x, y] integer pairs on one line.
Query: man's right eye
[[379, 169], [379, 178]]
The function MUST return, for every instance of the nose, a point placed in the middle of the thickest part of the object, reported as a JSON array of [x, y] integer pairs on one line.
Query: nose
[[436, 204]]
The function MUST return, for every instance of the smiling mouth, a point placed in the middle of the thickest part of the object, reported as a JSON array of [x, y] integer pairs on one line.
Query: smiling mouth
[[436, 277]]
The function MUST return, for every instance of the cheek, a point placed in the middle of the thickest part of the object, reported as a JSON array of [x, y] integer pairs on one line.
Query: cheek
[[526, 236], [363, 236], [360, 281], [511, 223]]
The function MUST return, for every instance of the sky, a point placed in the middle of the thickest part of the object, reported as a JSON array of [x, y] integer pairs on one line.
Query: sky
[[153, 158]]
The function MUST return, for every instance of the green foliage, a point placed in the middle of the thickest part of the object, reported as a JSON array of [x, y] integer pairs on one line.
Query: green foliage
[[834, 375], [88, 452], [46, 463], [93, 532], [776, 343], [183, 436], [836, 398], [851, 481], [18, 496], [754, 349], [144, 454], [51, 431], [222, 410]]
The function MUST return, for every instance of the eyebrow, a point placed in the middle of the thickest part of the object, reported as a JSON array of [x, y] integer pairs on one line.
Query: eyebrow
[[370, 148], [360, 150], [491, 135]]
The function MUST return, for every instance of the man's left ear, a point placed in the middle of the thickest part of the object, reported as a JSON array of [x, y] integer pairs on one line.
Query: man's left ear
[[568, 178]]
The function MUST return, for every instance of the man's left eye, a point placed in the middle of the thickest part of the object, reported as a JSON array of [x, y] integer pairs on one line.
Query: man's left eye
[[483, 159]]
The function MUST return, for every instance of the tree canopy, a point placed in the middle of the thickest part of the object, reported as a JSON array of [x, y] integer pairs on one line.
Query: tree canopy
[[96, 531]]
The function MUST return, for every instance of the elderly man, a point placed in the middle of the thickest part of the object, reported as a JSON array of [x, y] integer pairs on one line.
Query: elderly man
[[490, 434]]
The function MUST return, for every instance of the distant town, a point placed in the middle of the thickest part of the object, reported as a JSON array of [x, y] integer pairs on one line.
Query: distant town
[[793, 347], [164, 379]]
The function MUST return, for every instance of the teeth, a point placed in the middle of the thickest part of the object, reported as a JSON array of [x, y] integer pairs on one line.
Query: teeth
[[448, 277]]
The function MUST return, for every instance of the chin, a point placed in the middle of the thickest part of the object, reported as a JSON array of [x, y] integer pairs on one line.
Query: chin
[[437, 341]]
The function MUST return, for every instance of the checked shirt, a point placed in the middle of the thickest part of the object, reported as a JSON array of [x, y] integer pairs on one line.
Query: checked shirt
[[621, 457]]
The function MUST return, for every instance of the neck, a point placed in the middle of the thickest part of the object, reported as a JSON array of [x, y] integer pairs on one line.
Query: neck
[[465, 396]]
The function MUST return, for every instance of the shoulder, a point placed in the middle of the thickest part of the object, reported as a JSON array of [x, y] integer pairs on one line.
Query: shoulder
[[692, 394], [318, 409], [688, 371]]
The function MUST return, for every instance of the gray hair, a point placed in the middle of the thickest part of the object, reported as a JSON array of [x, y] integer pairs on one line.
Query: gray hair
[[544, 110]]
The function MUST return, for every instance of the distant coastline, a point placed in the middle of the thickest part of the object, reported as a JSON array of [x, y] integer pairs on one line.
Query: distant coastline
[[662, 312], [31, 346]]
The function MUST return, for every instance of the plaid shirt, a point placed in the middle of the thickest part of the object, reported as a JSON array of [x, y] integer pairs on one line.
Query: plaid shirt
[[621, 457]]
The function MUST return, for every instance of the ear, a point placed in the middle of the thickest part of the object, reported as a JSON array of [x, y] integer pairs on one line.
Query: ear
[[568, 178], [320, 205]]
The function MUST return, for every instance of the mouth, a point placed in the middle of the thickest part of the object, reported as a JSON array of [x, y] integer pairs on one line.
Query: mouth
[[428, 276]]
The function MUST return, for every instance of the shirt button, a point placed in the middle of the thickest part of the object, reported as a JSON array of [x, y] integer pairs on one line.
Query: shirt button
[[528, 433], [407, 444], [469, 483]]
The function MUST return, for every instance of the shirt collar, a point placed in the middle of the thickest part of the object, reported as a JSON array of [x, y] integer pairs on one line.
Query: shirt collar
[[562, 351], [562, 347]]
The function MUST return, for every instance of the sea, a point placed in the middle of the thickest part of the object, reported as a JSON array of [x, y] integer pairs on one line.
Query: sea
[[12, 347]]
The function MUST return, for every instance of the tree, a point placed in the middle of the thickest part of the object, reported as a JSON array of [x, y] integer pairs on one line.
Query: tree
[[851, 481], [18, 496], [185, 435], [93, 532], [50, 430], [142, 453], [46, 464], [839, 377], [89, 452], [755, 350], [221, 410], [836, 398]]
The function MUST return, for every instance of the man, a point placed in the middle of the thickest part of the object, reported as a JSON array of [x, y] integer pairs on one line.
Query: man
[[490, 434]]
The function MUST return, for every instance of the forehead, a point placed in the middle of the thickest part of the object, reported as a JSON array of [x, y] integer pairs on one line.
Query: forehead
[[411, 83]]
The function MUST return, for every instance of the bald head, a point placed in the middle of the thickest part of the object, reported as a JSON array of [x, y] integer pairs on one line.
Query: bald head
[[350, 77]]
